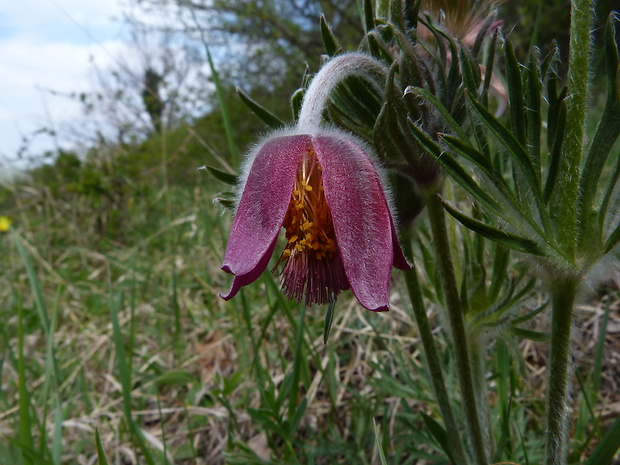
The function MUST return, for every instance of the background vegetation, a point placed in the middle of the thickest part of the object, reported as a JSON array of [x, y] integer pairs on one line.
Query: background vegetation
[[110, 274]]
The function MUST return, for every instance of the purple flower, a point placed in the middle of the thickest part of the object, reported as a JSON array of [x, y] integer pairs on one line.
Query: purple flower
[[324, 189]]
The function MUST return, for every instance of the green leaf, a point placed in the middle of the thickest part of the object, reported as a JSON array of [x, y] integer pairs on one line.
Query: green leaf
[[223, 176], [452, 167], [613, 180], [612, 240], [265, 115], [409, 61], [512, 145], [528, 316], [556, 153], [380, 48], [471, 70], [500, 236], [296, 100], [605, 137], [489, 63], [226, 200], [329, 40], [452, 124], [515, 92], [386, 145], [465, 150], [536, 336], [533, 106], [453, 80], [550, 64], [440, 435]]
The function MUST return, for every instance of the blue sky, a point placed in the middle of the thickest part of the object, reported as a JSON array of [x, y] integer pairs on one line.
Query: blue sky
[[51, 45]]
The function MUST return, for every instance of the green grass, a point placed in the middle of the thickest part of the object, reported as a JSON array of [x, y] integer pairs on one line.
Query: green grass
[[115, 348]]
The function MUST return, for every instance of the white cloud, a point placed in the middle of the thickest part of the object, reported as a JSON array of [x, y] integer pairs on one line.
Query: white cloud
[[49, 19], [50, 45]]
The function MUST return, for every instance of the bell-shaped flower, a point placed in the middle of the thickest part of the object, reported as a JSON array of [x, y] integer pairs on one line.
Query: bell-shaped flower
[[323, 187]]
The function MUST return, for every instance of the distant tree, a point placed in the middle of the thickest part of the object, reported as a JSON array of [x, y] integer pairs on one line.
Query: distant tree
[[158, 82], [262, 42], [151, 97]]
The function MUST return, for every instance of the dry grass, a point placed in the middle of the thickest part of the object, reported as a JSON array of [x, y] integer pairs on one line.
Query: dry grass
[[193, 363]]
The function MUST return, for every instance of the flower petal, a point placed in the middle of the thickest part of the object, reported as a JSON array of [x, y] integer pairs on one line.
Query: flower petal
[[400, 261], [250, 277], [361, 216], [262, 207]]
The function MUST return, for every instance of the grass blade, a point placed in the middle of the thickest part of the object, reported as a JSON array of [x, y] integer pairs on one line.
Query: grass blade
[[329, 319], [600, 346], [25, 423], [125, 378], [219, 90], [378, 442], [607, 448], [35, 285], [102, 460]]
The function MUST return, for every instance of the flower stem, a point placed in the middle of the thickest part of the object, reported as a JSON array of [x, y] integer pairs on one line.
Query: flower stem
[[333, 73], [477, 352], [432, 358], [563, 291], [572, 151], [445, 266]]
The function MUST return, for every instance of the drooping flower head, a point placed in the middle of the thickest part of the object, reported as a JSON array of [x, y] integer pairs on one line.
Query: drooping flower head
[[323, 187], [461, 18]]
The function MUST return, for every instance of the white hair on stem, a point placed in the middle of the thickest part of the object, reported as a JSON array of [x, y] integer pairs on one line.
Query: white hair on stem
[[333, 73]]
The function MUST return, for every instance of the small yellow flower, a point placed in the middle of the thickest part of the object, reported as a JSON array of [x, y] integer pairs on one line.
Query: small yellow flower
[[5, 223]]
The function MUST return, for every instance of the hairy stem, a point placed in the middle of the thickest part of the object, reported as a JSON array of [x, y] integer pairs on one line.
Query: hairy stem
[[333, 73], [572, 151], [457, 326], [477, 346], [563, 291], [432, 358]]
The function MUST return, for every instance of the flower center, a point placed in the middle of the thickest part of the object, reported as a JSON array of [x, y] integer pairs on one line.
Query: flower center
[[308, 221], [313, 266]]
